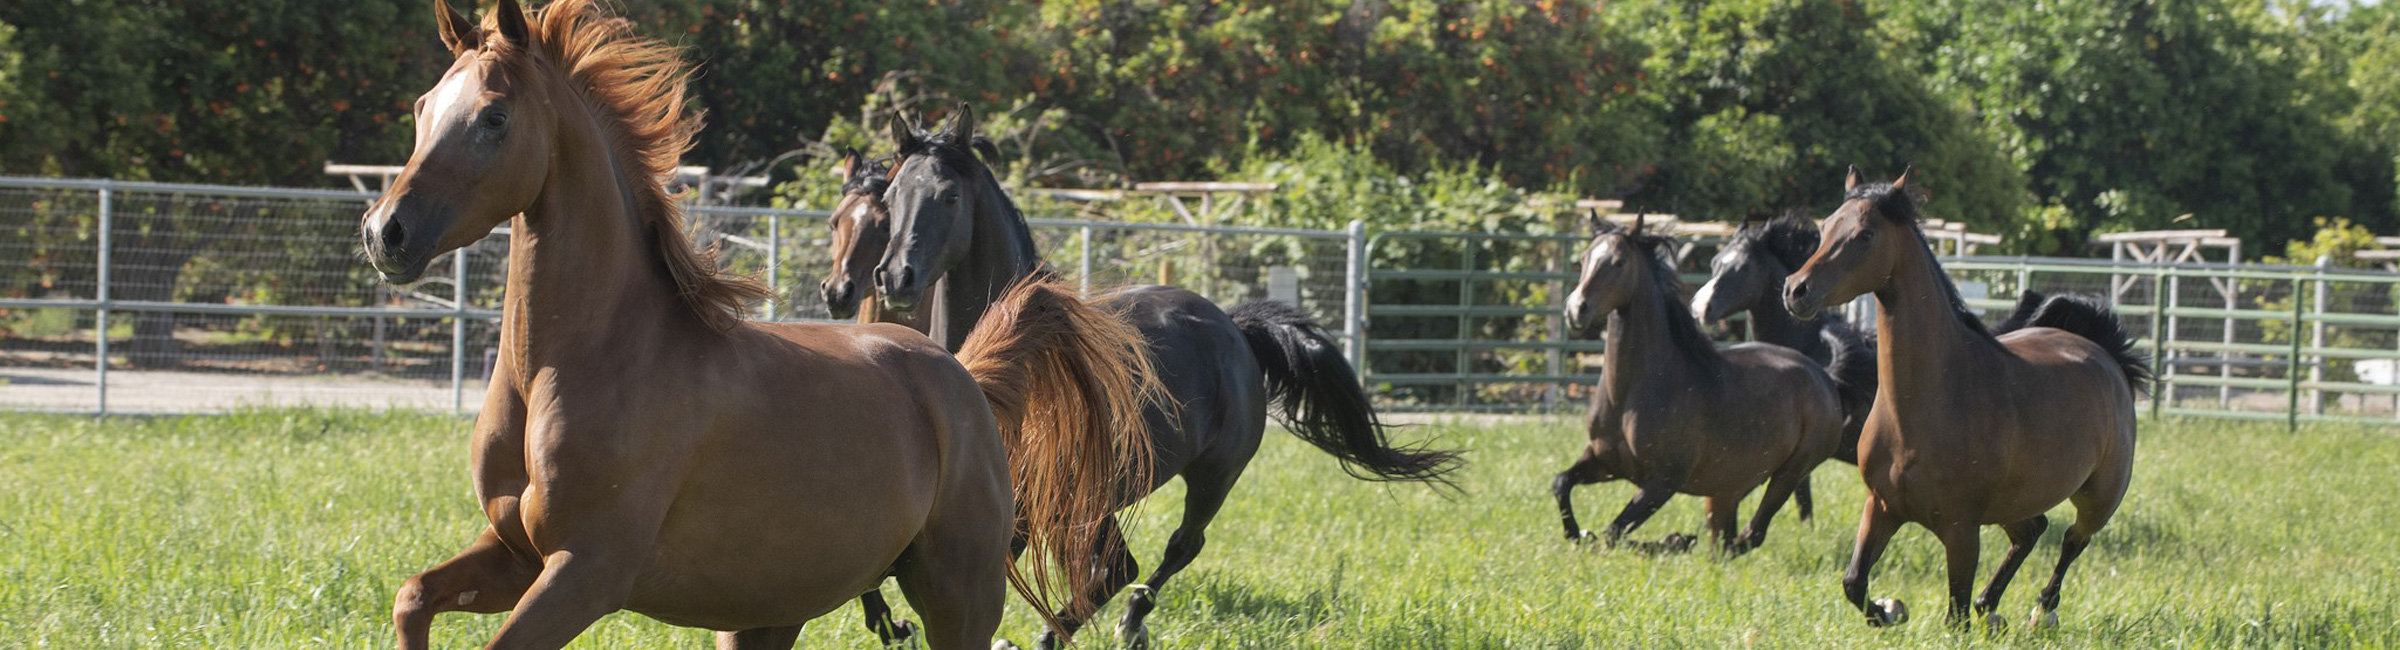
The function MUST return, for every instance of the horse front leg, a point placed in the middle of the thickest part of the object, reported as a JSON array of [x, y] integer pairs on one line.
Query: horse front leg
[[485, 578], [1585, 471], [1645, 503], [576, 588], [1875, 528]]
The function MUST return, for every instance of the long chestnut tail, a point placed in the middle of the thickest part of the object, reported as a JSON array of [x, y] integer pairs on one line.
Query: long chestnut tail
[[1068, 384], [1316, 394]]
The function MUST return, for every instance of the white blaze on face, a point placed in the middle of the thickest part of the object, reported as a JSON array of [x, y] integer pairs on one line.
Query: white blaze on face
[[450, 101], [858, 216], [1700, 301]]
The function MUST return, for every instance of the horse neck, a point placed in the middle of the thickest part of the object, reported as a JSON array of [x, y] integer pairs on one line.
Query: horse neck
[[1919, 337], [582, 278], [1640, 348], [1774, 324], [1000, 253]]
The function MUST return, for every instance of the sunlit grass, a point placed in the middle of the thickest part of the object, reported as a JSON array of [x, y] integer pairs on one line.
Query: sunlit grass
[[284, 529]]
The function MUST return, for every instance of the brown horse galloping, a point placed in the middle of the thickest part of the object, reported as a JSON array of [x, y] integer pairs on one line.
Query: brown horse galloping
[[1972, 429], [642, 448], [1676, 415]]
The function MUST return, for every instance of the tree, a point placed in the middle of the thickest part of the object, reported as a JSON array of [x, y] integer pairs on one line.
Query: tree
[[1769, 101], [212, 91], [2129, 114]]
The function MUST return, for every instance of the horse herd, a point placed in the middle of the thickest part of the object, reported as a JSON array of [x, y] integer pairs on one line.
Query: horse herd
[[642, 447]]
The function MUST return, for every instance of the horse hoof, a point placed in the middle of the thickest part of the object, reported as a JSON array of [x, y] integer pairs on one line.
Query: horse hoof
[[1888, 612], [902, 632], [1994, 623], [1585, 537], [2044, 619], [1678, 542], [1133, 636]]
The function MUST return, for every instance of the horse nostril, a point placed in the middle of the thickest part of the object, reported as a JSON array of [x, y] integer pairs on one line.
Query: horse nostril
[[908, 277], [1799, 290], [393, 236]]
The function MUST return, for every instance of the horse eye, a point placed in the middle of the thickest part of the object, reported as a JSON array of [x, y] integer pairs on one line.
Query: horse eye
[[495, 119], [951, 198]]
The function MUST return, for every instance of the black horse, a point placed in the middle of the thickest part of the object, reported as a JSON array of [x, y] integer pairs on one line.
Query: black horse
[[1747, 277], [952, 223]]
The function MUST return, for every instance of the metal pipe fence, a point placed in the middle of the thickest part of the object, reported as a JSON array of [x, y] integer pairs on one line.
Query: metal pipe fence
[[125, 297], [122, 297]]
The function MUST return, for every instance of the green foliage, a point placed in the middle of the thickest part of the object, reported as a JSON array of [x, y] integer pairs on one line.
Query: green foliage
[[1769, 101], [1539, 92], [2130, 113], [221, 91]]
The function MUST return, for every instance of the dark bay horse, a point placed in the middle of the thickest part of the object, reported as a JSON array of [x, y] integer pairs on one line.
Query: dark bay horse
[[860, 222], [1970, 428], [643, 448], [1746, 276], [1676, 415], [952, 223]]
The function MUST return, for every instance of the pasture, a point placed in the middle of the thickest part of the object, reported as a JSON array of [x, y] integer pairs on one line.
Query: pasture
[[290, 529]]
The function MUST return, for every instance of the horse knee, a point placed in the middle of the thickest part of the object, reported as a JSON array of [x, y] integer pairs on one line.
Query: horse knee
[[1854, 587]]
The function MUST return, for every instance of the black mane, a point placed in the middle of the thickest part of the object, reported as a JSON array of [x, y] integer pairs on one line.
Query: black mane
[[1682, 330], [869, 177], [1900, 207], [1790, 239]]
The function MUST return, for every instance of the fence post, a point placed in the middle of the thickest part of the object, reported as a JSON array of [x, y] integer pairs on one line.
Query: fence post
[[1466, 323], [2161, 370], [2291, 369], [1354, 296], [458, 331], [100, 318], [774, 269], [2316, 339], [1083, 266]]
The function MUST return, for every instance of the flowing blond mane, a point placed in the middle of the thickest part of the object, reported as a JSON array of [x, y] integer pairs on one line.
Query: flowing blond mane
[[637, 85]]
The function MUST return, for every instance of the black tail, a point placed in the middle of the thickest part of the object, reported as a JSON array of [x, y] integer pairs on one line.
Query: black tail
[[2086, 317], [2027, 303], [1321, 401], [1853, 371]]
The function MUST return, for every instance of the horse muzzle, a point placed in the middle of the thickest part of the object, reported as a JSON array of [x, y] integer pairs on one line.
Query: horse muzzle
[[841, 299], [1798, 299], [897, 288], [397, 251]]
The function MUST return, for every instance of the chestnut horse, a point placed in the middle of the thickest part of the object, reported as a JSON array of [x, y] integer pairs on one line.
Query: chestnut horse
[[643, 448], [1661, 418], [860, 221], [1746, 276], [1970, 428], [952, 223]]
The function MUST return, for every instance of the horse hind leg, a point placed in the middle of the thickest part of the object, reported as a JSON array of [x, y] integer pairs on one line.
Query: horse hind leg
[[879, 619], [1781, 488], [1205, 490], [2093, 508], [1116, 569], [2021, 538], [486, 578]]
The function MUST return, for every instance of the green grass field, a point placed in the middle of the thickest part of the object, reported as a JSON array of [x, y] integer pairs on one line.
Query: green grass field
[[290, 529]]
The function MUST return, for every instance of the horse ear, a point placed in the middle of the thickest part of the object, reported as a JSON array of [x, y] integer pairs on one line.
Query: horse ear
[[1903, 180], [512, 23], [962, 125], [849, 164], [904, 137], [1593, 222], [1637, 222], [458, 33], [1850, 181]]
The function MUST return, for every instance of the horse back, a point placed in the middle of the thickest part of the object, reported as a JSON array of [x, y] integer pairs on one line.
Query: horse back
[[1216, 406]]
